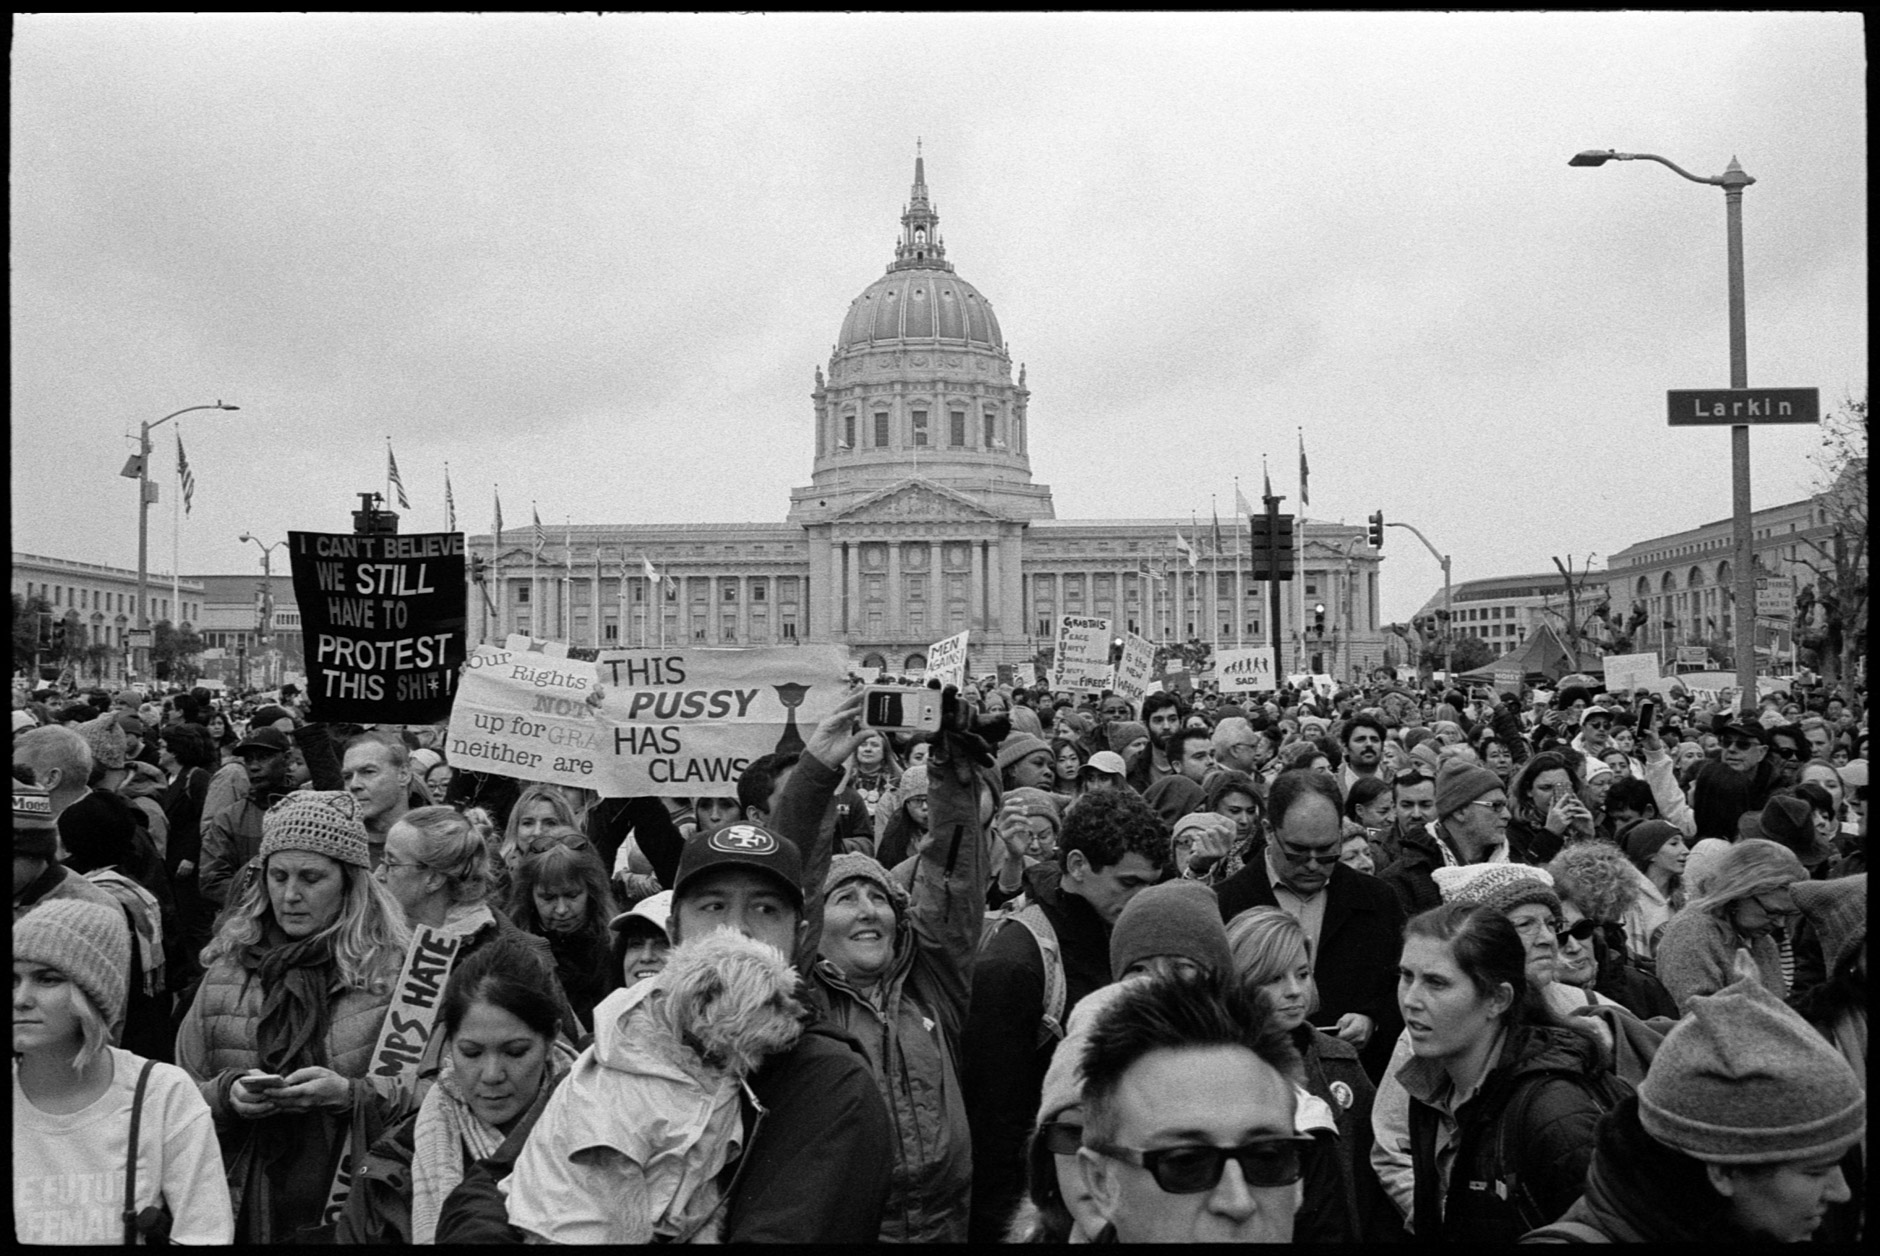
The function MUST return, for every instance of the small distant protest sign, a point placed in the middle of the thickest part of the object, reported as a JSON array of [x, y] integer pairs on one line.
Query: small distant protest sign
[[1081, 659], [383, 618]]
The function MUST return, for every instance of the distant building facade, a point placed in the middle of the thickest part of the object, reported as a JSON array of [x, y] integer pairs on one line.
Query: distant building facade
[[103, 602], [920, 520]]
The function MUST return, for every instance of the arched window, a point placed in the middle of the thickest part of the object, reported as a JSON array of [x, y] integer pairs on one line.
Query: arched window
[[875, 661], [915, 664], [1668, 584], [1695, 580]]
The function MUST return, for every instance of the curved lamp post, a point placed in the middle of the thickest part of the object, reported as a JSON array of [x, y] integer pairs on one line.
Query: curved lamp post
[[1733, 180], [143, 517], [265, 634]]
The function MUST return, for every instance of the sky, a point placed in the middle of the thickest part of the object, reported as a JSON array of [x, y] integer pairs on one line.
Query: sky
[[597, 260]]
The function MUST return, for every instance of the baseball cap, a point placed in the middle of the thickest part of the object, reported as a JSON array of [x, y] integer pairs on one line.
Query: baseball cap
[[268, 740], [1591, 712], [742, 845], [1106, 761], [1734, 725], [655, 910]]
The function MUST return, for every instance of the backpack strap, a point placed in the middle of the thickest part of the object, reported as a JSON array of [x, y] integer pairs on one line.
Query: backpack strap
[[130, 1160], [1056, 991]]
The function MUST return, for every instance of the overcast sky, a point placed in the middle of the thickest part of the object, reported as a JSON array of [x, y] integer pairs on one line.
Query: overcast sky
[[597, 260]]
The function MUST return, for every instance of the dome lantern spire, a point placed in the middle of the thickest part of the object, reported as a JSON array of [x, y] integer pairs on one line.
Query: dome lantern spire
[[920, 246]]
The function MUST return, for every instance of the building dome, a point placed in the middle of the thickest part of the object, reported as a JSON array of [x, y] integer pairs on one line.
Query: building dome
[[920, 303]]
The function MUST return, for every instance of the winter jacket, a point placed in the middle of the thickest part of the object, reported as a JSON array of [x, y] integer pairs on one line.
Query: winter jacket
[[1721, 795], [910, 1025], [474, 1212], [230, 839], [1697, 951], [1640, 1191], [379, 1208], [216, 1044], [1646, 918], [1547, 1156], [1421, 853], [1355, 957], [1530, 843], [1335, 1075], [1004, 1063]]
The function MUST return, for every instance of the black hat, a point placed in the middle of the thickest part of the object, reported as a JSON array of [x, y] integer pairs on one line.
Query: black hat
[[268, 715], [742, 845], [264, 739], [1739, 725]]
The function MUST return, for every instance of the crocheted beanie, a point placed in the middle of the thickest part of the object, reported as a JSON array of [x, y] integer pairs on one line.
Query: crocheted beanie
[[1030, 802], [1181, 918], [87, 941], [1742, 1079], [914, 782], [106, 738], [1838, 911], [323, 822], [849, 866], [1121, 734], [1025, 720], [1500, 887]]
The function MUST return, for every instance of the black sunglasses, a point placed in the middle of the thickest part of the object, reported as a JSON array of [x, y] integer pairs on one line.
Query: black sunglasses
[[1194, 1169], [1579, 931], [1744, 743], [1061, 1138]]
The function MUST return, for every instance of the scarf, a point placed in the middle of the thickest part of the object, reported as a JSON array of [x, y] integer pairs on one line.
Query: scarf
[[298, 984]]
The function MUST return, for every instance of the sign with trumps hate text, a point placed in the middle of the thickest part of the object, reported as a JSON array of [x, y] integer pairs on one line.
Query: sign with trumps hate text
[[383, 619], [676, 722]]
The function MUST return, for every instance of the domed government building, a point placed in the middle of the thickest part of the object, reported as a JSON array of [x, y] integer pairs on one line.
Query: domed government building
[[921, 520]]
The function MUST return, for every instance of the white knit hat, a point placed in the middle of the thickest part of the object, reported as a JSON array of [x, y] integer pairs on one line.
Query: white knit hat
[[1500, 887], [323, 822]]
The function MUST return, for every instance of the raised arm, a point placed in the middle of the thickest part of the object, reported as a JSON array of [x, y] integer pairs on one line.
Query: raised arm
[[949, 892], [802, 812]]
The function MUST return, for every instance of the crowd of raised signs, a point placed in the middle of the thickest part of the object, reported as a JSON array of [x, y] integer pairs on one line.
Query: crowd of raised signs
[[1388, 963]]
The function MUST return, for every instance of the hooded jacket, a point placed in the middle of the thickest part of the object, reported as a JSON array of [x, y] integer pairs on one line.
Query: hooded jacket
[[1004, 1066], [1420, 855], [910, 1026], [1546, 1157], [674, 1052]]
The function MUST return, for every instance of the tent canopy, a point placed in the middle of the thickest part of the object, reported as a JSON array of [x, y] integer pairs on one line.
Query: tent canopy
[[1543, 653]]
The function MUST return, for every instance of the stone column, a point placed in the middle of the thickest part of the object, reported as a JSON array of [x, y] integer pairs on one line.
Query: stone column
[[744, 611], [995, 590], [894, 587], [936, 626], [813, 597], [1012, 608], [851, 616], [975, 588]]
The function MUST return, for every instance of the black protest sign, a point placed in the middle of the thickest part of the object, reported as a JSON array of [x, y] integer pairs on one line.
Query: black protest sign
[[383, 619]]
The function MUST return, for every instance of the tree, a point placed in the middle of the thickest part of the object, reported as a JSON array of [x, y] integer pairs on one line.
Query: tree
[[173, 651], [1831, 609], [32, 624]]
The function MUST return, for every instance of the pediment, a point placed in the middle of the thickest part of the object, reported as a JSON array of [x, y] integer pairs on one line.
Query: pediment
[[912, 500]]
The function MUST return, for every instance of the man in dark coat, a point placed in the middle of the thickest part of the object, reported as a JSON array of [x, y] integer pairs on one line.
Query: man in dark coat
[[1472, 821], [1740, 782], [1354, 920]]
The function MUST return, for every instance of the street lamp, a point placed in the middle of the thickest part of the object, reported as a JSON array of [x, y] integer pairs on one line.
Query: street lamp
[[1449, 632], [267, 588], [1733, 180], [143, 512]]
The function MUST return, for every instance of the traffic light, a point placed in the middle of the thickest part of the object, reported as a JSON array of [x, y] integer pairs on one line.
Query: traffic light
[[476, 569], [58, 636], [1318, 620], [1376, 536], [1116, 651], [44, 636], [1273, 557]]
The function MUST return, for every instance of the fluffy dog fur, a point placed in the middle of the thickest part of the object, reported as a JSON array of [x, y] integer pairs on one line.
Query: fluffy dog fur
[[729, 999]]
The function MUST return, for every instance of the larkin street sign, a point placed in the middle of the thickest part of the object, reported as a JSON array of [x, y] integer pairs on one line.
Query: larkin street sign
[[1726, 407]]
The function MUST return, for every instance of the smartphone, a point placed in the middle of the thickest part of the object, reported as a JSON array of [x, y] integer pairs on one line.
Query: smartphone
[[1648, 717], [895, 708], [263, 1081]]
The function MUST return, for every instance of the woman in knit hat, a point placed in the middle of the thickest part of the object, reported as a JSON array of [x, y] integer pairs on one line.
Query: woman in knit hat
[[1027, 826], [280, 1036], [1488, 1052], [1272, 953], [74, 1093], [1736, 1136], [905, 829], [895, 971], [1745, 898], [1656, 851], [1025, 761]]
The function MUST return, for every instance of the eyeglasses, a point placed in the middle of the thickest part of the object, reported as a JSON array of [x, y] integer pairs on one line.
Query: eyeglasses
[[1499, 808], [1579, 931], [1323, 859], [1194, 1169], [1781, 752], [1061, 1138], [1743, 743], [389, 863]]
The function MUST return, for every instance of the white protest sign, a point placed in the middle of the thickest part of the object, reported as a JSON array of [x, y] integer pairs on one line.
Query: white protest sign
[[1245, 671], [1082, 657], [679, 721], [1693, 655], [525, 713], [1132, 670], [1324, 684], [946, 661], [1629, 671], [1775, 596]]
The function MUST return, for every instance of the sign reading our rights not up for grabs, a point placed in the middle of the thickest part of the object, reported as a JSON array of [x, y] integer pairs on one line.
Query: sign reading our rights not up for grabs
[[383, 618], [634, 722]]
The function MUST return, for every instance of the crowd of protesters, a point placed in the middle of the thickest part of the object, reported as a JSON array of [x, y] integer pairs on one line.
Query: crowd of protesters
[[1387, 963]]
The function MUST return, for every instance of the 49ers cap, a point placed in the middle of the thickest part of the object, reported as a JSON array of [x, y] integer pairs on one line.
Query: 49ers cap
[[742, 845]]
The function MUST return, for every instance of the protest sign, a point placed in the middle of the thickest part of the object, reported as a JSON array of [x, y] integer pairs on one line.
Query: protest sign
[[1179, 681], [383, 620], [1082, 657], [1629, 671], [1006, 673], [525, 713], [946, 661], [1132, 670], [1693, 656], [1244, 671], [1508, 679]]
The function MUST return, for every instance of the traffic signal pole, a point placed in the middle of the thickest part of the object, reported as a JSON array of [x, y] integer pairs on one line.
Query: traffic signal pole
[[1273, 582]]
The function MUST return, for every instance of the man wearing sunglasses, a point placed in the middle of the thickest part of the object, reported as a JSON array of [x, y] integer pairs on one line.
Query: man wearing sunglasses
[[1188, 1117], [1738, 782], [1352, 920]]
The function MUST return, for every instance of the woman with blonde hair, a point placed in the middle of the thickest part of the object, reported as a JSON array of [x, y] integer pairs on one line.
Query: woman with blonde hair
[[1741, 901], [1272, 954], [538, 808], [280, 1036]]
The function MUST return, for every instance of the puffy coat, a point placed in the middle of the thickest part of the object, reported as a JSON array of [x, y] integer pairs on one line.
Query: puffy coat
[[911, 1026], [1696, 953], [216, 1043], [1546, 1157]]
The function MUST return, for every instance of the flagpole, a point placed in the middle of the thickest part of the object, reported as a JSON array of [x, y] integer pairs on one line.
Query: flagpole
[[535, 571], [1240, 595], [1299, 562], [1214, 581], [176, 542], [496, 551]]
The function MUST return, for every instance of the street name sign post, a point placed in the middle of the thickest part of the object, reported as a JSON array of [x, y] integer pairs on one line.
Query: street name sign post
[[1727, 407]]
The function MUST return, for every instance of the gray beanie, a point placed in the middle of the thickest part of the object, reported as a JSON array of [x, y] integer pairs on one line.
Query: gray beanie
[[1181, 918], [87, 941], [1742, 1079]]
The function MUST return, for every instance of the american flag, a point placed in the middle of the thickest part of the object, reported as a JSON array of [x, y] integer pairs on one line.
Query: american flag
[[184, 474], [498, 529], [450, 503], [541, 537], [1304, 500], [391, 476]]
